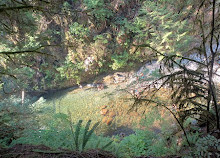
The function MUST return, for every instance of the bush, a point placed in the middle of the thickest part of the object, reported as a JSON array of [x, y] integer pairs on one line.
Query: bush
[[119, 61], [14, 119], [138, 144], [73, 138], [206, 147], [145, 143]]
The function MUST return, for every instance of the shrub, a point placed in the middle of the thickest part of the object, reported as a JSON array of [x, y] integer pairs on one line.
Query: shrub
[[14, 119], [206, 147], [159, 148], [145, 143], [74, 138], [119, 61], [135, 144]]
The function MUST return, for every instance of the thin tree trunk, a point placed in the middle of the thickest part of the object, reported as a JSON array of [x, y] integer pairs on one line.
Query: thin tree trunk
[[211, 84]]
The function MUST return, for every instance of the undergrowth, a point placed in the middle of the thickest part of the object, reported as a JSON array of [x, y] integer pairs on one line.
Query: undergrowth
[[158, 137], [74, 137], [15, 118]]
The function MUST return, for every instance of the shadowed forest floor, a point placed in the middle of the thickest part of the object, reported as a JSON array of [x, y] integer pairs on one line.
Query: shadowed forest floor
[[28, 151]]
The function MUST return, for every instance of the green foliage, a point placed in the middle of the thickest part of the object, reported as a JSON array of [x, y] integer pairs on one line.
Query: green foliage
[[14, 119], [87, 133], [24, 75], [160, 27], [160, 148], [192, 138], [49, 137], [58, 121], [144, 142], [79, 31], [96, 28], [110, 34], [149, 142], [167, 33], [97, 8], [76, 135], [102, 38], [206, 147], [119, 61], [70, 70], [55, 135], [136, 144], [151, 117]]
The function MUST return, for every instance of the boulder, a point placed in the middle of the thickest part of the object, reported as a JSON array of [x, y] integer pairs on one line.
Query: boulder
[[120, 77], [104, 112], [109, 121], [104, 120], [112, 114]]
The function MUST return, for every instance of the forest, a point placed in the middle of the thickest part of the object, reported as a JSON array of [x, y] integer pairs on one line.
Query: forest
[[110, 78]]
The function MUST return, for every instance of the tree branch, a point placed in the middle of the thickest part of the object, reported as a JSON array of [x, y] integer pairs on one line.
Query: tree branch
[[17, 8]]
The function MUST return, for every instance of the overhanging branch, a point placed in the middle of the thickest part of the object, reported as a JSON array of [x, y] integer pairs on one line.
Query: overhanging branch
[[19, 8]]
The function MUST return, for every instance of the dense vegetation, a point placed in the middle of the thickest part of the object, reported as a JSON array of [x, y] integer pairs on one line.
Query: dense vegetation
[[47, 45], [109, 33]]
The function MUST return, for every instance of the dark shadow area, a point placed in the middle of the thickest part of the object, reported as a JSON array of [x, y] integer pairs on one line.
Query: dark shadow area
[[120, 131], [41, 151], [50, 95]]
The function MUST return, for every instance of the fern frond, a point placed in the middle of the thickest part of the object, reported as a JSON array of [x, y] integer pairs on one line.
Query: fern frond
[[97, 144], [85, 133], [107, 145], [77, 133], [88, 134]]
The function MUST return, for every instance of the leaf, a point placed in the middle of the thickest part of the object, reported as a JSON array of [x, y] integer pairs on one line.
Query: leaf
[[107, 145], [165, 37], [87, 133], [77, 132]]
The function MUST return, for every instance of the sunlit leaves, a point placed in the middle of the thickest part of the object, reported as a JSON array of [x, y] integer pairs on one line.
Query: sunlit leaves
[[97, 8], [165, 27], [119, 61], [78, 31]]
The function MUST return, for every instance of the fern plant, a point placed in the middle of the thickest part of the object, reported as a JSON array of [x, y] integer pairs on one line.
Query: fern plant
[[208, 146], [76, 138], [86, 136]]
